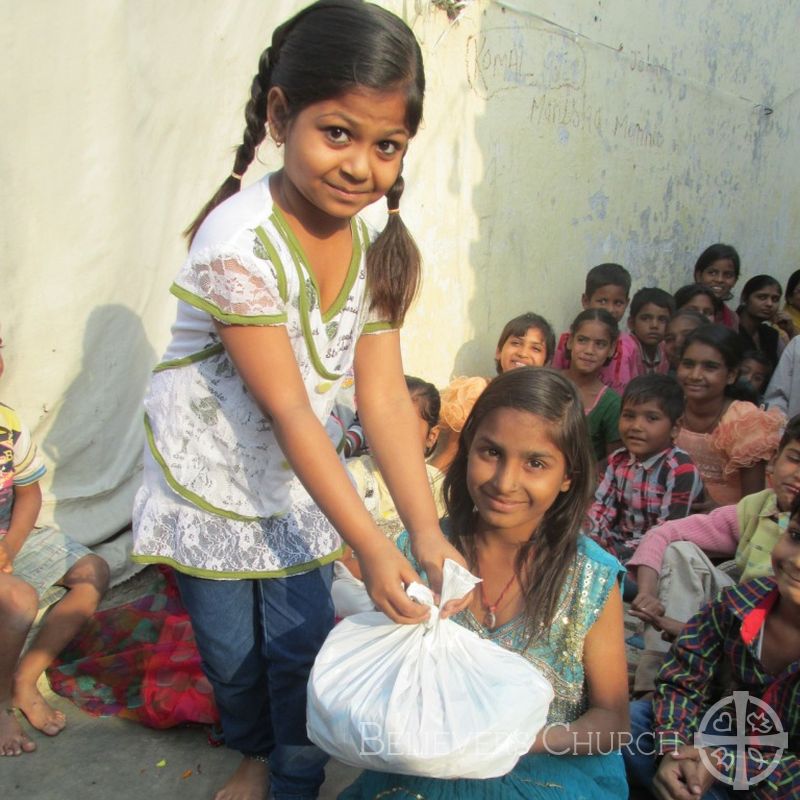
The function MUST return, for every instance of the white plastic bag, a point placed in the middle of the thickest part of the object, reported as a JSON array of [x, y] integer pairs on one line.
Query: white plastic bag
[[432, 699], [349, 594]]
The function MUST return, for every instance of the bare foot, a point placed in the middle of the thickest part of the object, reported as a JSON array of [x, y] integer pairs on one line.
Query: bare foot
[[13, 741], [249, 782], [38, 711]]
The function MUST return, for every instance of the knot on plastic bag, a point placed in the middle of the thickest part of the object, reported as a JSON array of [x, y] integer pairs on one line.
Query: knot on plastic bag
[[457, 581]]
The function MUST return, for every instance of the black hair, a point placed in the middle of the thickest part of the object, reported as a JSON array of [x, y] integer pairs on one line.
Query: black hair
[[791, 284], [596, 315], [427, 399], [718, 252], [690, 313], [520, 325], [686, 293], [607, 275], [723, 339], [543, 562], [326, 49], [728, 344], [757, 355], [663, 390], [791, 433], [757, 283], [658, 297]]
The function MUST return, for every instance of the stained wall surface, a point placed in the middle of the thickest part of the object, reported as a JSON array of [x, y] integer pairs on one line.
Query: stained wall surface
[[557, 135]]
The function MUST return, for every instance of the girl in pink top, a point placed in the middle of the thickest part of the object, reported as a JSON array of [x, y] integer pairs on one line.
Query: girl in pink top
[[730, 441]]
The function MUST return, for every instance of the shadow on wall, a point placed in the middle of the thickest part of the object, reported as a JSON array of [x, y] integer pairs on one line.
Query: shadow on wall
[[95, 443]]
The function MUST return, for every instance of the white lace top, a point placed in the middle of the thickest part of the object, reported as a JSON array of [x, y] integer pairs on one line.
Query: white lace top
[[219, 497]]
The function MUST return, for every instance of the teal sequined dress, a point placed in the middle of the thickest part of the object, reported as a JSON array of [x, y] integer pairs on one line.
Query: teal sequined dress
[[538, 776]]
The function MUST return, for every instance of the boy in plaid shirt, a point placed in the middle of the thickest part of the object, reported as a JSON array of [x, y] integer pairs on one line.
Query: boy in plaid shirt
[[649, 480]]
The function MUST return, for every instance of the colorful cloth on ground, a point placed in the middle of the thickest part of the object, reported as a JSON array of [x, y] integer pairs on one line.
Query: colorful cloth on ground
[[744, 436], [560, 658], [716, 654], [603, 421], [219, 499], [749, 529], [138, 661], [634, 496]]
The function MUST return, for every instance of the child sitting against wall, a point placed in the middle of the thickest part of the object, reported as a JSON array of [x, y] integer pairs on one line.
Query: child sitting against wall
[[738, 657], [718, 267], [370, 484], [648, 480], [683, 322], [642, 347], [591, 344], [673, 571], [32, 560], [701, 298], [526, 341], [607, 287]]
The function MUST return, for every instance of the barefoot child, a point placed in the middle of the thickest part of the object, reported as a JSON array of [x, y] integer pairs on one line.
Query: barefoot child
[[281, 294], [31, 560], [516, 496], [592, 340]]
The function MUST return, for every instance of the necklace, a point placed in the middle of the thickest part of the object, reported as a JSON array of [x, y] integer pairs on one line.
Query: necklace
[[490, 618]]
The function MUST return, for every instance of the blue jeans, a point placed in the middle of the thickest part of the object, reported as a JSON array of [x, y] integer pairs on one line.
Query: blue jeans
[[640, 755], [258, 640]]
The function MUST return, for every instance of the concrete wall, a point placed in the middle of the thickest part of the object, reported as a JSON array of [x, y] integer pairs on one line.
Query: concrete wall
[[557, 134]]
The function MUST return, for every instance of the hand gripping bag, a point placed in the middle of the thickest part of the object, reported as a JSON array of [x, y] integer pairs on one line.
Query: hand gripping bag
[[432, 699]]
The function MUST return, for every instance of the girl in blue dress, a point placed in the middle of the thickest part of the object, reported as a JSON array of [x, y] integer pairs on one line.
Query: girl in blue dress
[[516, 495]]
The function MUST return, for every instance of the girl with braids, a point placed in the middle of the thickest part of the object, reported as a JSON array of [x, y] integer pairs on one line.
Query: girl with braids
[[516, 495], [282, 292]]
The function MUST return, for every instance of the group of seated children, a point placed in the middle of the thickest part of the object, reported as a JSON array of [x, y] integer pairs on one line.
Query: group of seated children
[[642, 429]]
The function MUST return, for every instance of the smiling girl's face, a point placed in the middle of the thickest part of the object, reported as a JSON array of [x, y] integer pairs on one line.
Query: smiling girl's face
[[514, 473], [703, 374], [590, 346]]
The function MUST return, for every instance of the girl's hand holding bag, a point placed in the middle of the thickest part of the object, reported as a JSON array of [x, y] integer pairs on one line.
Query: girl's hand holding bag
[[432, 699]]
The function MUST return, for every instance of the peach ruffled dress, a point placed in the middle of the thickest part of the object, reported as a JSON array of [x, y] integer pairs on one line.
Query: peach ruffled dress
[[744, 436]]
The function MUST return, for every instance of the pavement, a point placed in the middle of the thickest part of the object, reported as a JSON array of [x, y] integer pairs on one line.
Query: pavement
[[107, 758]]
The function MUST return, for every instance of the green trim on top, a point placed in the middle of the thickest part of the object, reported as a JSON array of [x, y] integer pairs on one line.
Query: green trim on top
[[376, 327], [276, 262], [217, 313], [187, 494], [198, 572], [302, 268], [299, 257], [174, 363]]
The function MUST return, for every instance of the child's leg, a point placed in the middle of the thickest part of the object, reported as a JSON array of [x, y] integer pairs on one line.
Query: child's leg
[[688, 579], [297, 615], [18, 606], [225, 619], [86, 581]]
